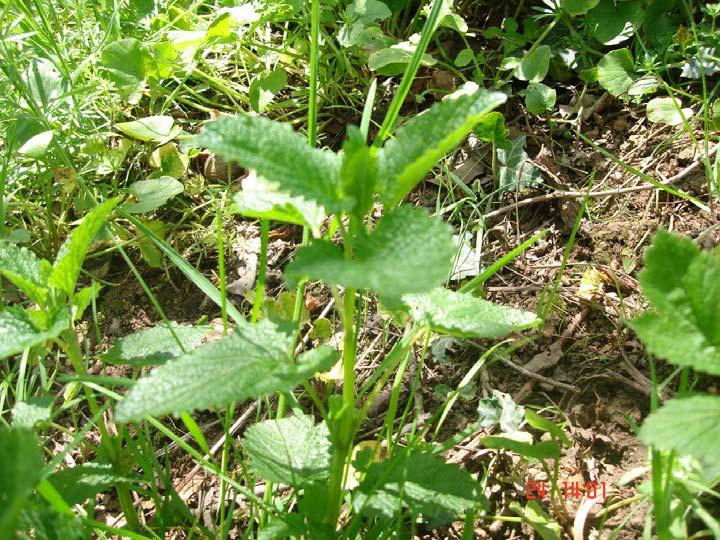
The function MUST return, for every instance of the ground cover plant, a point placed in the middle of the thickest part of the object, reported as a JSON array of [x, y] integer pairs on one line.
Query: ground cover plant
[[359, 269]]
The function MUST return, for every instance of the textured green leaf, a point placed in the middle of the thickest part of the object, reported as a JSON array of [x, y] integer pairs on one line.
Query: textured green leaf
[[691, 426], [279, 154], [260, 198], [155, 345], [534, 65], [458, 314], [666, 110], [359, 171], [47, 523], [253, 361], [24, 270], [291, 450], [152, 194], [616, 71], [407, 252], [80, 483], [421, 142], [26, 414], [500, 410], [683, 285], [71, 255], [516, 170], [125, 62], [18, 331], [491, 128], [421, 482], [20, 466]]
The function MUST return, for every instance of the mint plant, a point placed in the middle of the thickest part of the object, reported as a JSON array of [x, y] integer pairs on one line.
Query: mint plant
[[403, 258], [57, 306], [682, 284]]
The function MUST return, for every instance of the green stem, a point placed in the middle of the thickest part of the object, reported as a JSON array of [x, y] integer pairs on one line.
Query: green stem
[[409, 75], [262, 270], [71, 346]]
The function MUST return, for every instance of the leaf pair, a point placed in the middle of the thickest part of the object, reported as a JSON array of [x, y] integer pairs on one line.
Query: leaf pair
[[346, 182]]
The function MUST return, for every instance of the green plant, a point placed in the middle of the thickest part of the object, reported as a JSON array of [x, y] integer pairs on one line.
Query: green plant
[[682, 284], [51, 287], [402, 258]]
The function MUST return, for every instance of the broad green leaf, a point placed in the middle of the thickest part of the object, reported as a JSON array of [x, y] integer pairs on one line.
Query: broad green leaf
[[500, 410], [71, 255], [683, 285], [80, 483], [516, 170], [36, 410], [578, 7], [264, 89], [690, 426], [540, 98], [169, 162], [407, 252], [279, 154], [159, 129], [359, 171], [421, 482], [155, 345], [458, 314], [150, 195], [45, 85], [538, 519], [18, 330], [125, 62], [541, 450], [27, 272], [616, 71], [20, 465], [613, 22], [421, 142], [392, 60], [464, 57], [37, 145], [253, 361], [260, 198], [291, 450], [534, 65], [367, 11], [491, 128], [666, 110]]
